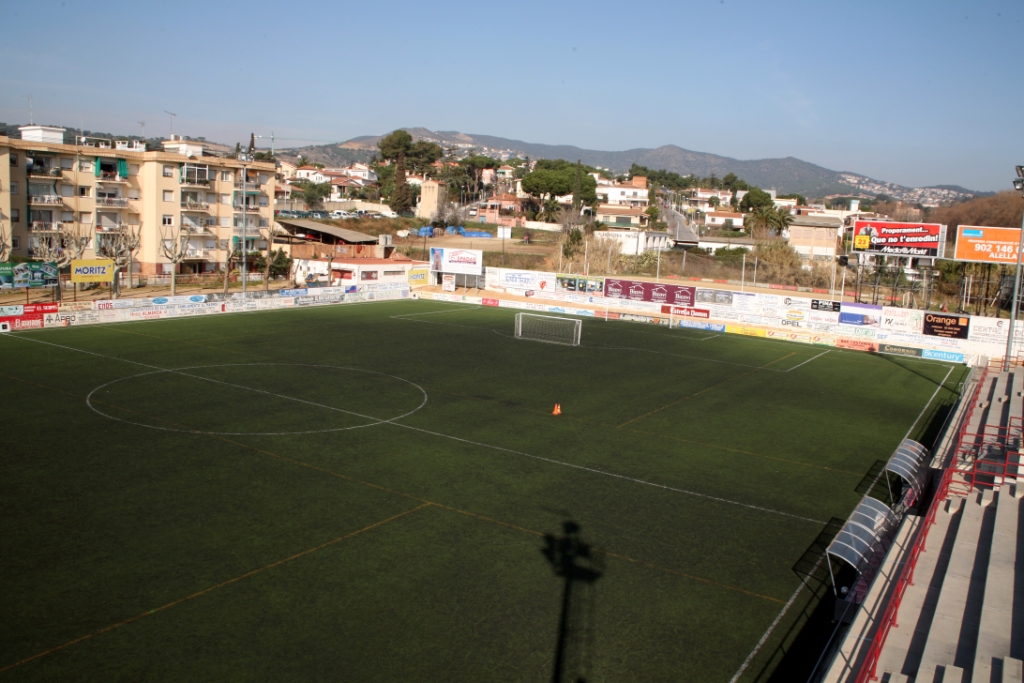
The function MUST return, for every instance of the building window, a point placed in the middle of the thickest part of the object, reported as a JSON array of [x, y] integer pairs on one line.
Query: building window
[[85, 166], [15, 243], [264, 201], [84, 191], [168, 195], [211, 198], [168, 171], [133, 169], [368, 275], [264, 223], [168, 220], [67, 216], [67, 191], [394, 273], [225, 199], [14, 188], [225, 221], [15, 215], [66, 163], [85, 218], [225, 176], [14, 160], [133, 193]]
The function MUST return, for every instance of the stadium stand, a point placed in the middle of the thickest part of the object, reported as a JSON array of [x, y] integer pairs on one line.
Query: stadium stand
[[947, 601]]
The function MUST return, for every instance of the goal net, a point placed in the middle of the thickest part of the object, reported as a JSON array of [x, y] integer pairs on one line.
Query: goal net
[[548, 328]]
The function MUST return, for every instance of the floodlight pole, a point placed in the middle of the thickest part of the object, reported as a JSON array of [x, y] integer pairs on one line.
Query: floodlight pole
[[244, 159], [1019, 184]]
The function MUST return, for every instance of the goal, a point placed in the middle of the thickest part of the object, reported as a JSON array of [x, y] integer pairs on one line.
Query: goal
[[548, 328]]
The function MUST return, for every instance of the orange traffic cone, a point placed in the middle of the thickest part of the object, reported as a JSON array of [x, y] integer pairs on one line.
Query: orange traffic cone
[[557, 410]]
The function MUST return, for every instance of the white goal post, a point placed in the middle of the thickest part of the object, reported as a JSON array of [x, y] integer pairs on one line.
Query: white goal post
[[548, 328]]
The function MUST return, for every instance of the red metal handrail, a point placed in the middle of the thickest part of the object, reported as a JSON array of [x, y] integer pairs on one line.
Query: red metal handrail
[[869, 669]]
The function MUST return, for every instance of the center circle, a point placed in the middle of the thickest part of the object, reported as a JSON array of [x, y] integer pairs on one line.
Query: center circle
[[203, 401]]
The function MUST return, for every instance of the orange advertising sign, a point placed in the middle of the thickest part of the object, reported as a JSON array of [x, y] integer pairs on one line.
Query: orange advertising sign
[[986, 245]]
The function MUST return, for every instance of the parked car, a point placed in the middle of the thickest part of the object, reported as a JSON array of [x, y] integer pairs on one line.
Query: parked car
[[472, 212], [338, 214], [317, 214], [388, 214]]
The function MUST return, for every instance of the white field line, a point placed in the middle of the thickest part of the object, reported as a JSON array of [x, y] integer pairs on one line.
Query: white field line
[[446, 436], [449, 310], [792, 598], [807, 361]]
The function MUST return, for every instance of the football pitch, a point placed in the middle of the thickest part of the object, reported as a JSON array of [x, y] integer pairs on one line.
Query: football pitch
[[380, 492]]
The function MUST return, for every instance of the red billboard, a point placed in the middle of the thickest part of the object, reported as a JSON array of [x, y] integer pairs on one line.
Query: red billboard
[[685, 312], [899, 239], [653, 292]]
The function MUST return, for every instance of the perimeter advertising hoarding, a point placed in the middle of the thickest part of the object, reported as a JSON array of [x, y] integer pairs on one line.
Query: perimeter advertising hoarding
[[461, 261], [685, 312], [580, 283], [986, 245], [864, 315], [92, 270], [899, 239], [653, 292], [31, 274], [947, 325]]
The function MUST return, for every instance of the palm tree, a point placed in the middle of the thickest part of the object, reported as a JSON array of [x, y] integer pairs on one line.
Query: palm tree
[[301, 161], [781, 219], [759, 221], [551, 212]]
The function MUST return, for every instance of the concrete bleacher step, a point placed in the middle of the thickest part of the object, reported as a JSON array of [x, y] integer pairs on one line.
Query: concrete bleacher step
[[999, 604], [901, 652], [952, 637], [950, 674], [1013, 670]]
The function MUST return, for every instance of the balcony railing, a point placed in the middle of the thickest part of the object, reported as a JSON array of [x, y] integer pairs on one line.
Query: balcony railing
[[44, 172], [119, 202], [130, 145], [198, 253], [195, 206], [43, 226], [112, 177], [250, 208], [49, 199], [252, 182], [195, 182]]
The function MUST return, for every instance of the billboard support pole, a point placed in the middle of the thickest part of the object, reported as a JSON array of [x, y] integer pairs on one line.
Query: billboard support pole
[[1016, 300]]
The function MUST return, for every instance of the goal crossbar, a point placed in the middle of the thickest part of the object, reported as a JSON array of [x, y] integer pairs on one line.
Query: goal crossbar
[[548, 328]]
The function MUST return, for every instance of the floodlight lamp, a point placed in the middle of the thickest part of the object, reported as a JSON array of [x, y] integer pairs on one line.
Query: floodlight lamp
[[1020, 171], [1018, 184]]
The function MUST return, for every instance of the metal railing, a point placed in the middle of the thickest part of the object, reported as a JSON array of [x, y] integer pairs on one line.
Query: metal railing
[[119, 202], [112, 177], [50, 199], [195, 206], [248, 183], [196, 182], [869, 669], [44, 171]]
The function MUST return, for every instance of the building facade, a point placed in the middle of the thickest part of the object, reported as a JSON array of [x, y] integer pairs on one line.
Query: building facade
[[97, 187]]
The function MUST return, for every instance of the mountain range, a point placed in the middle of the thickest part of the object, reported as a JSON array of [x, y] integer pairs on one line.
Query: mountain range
[[786, 175]]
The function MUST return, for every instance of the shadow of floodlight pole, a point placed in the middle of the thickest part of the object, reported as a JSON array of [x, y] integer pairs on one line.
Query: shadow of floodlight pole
[[572, 560]]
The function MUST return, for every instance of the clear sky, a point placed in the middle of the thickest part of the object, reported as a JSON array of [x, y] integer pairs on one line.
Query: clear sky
[[913, 92]]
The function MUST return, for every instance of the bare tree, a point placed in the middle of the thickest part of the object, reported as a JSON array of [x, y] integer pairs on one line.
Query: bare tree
[[62, 245], [120, 247], [5, 245], [270, 233], [232, 254], [175, 247]]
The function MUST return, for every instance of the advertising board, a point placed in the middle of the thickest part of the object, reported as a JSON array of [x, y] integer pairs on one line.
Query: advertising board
[[92, 270], [993, 331], [28, 274], [529, 280], [907, 320], [864, 315], [418, 277], [685, 312], [460, 261], [899, 239], [714, 296], [986, 245], [947, 325], [580, 283], [653, 292]]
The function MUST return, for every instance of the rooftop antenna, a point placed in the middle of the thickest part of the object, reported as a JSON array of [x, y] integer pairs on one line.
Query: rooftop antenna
[[31, 112], [172, 121], [143, 124]]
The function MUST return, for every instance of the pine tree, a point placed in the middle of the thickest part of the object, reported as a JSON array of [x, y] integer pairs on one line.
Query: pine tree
[[401, 198]]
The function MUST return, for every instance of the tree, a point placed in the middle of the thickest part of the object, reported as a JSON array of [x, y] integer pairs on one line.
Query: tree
[[301, 161], [760, 221], [401, 198], [61, 246], [270, 233], [275, 263], [5, 245], [543, 183], [754, 199], [550, 212], [394, 144], [422, 155], [313, 194], [120, 247], [174, 245], [777, 260], [800, 199], [475, 166], [715, 202]]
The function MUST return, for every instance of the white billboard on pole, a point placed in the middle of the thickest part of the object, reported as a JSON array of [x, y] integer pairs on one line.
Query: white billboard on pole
[[462, 261]]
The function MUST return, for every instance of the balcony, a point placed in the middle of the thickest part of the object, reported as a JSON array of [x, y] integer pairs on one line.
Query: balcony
[[250, 208], [117, 202], [45, 200], [43, 226], [193, 254], [252, 182], [195, 182], [195, 206], [111, 177], [130, 145], [44, 172]]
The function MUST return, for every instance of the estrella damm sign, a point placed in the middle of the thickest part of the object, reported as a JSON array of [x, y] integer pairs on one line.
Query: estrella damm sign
[[92, 270]]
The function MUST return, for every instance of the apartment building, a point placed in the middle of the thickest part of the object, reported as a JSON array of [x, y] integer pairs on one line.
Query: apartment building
[[99, 187], [632, 192]]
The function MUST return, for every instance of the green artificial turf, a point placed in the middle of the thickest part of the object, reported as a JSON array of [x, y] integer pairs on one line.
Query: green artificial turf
[[361, 493]]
